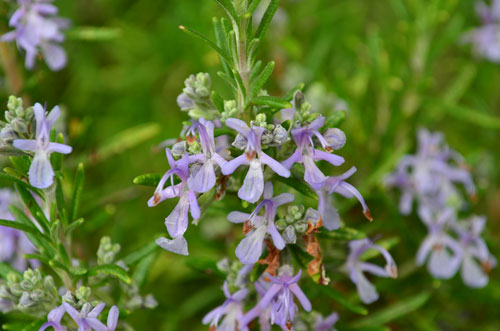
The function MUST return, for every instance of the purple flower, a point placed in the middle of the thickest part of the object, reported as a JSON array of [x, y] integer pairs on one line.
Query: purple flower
[[253, 185], [307, 154], [337, 184], [250, 248], [428, 176], [232, 309], [327, 323], [204, 179], [357, 267], [36, 28], [86, 319], [279, 297], [177, 221], [486, 39], [474, 250], [445, 252], [54, 319], [41, 174]]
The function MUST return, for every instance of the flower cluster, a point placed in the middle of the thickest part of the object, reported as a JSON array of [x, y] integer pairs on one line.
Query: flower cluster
[[486, 39], [430, 177], [290, 145], [37, 28]]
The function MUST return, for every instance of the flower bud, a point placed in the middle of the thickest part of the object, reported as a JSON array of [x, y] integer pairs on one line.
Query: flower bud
[[280, 224], [38, 295], [26, 301], [300, 227], [184, 102], [289, 235], [179, 149], [335, 138], [150, 301], [83, 293], [26, 285], [280, 135], [240, 142], [19, 125]]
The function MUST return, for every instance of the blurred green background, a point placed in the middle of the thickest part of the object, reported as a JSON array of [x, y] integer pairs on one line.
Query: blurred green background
[[398, 64]]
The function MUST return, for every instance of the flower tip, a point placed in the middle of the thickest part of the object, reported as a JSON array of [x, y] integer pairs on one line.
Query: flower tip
[[182, 27], [392, 270], [368, 215]]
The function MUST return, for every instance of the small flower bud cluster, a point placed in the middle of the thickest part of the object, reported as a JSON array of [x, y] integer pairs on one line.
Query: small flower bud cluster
[[196, 97], [230, 110], [29, 291], [107, 251], [134, 300], [81, 297], [18, 121], [293, 224]]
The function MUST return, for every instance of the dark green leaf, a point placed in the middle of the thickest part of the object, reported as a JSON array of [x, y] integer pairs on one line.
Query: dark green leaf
[[110, 269], [335, 119], [218, 101], [6, 269], [57, 158], [253, 6], [273, 102], [34, 208], [77, 193], [61, 203], [148, 179], [205, 265], [261, 79], [266, 19], [140, 253], [229, 8], [141, 271], [20, 226], [210, 43], [21, 163]]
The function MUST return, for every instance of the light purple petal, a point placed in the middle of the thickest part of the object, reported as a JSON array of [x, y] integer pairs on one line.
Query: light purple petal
[[238, 125], [270, 294], [113, 315], [313, 176], [75, 315], [275, 165], [204, 179], [373, 269], [41, 174], [366, 290], [249, 249], [54, 55], [177, 221], [304, 301], [282, 199], [59, 148], [94, 313], [177, 245], [294, 158], [194, 208], [25, 145], [95, 324], [232, 165], [238, 217], [268, 190], [253, 185], [333, 159], [277, 239]]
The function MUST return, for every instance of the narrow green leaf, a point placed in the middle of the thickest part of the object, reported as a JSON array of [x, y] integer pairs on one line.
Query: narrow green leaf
[[64, 255], [255, 70], [38, 257], [57, 158], [141, 271], [205, 265], [73, 226], [11, 151], [220, 39], [262, 79], [344, 233], [140, 253], [21, 163], [298, 185], [472, 116], [21, 217], [61, 203], [16, 173], [253, 6], [210, 43], [20, 182], [300, 256], [239, 81], [340, 298], [77, 193], [229, 8], [55, 231], [218, 101], [394, 311], [6, 269], [266, 19], [228, 79], [224, 131], [110, 269], [34, 208], [148, 179], [273, 102]]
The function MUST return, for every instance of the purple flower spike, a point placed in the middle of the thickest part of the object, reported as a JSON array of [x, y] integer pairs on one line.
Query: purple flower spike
[[307, 154], [41, 174], [279, 297], [486, 39], [54, 319], [356, 268], [474, 250], [327, 323], [204, 179], [337, 184], [86, 319], [250, 248], [177, 221], [255, 158], [445, 252], [231, 309], [37, 29]]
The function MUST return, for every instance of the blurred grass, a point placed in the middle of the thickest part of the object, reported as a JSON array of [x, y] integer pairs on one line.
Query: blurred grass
[[398, 64]]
